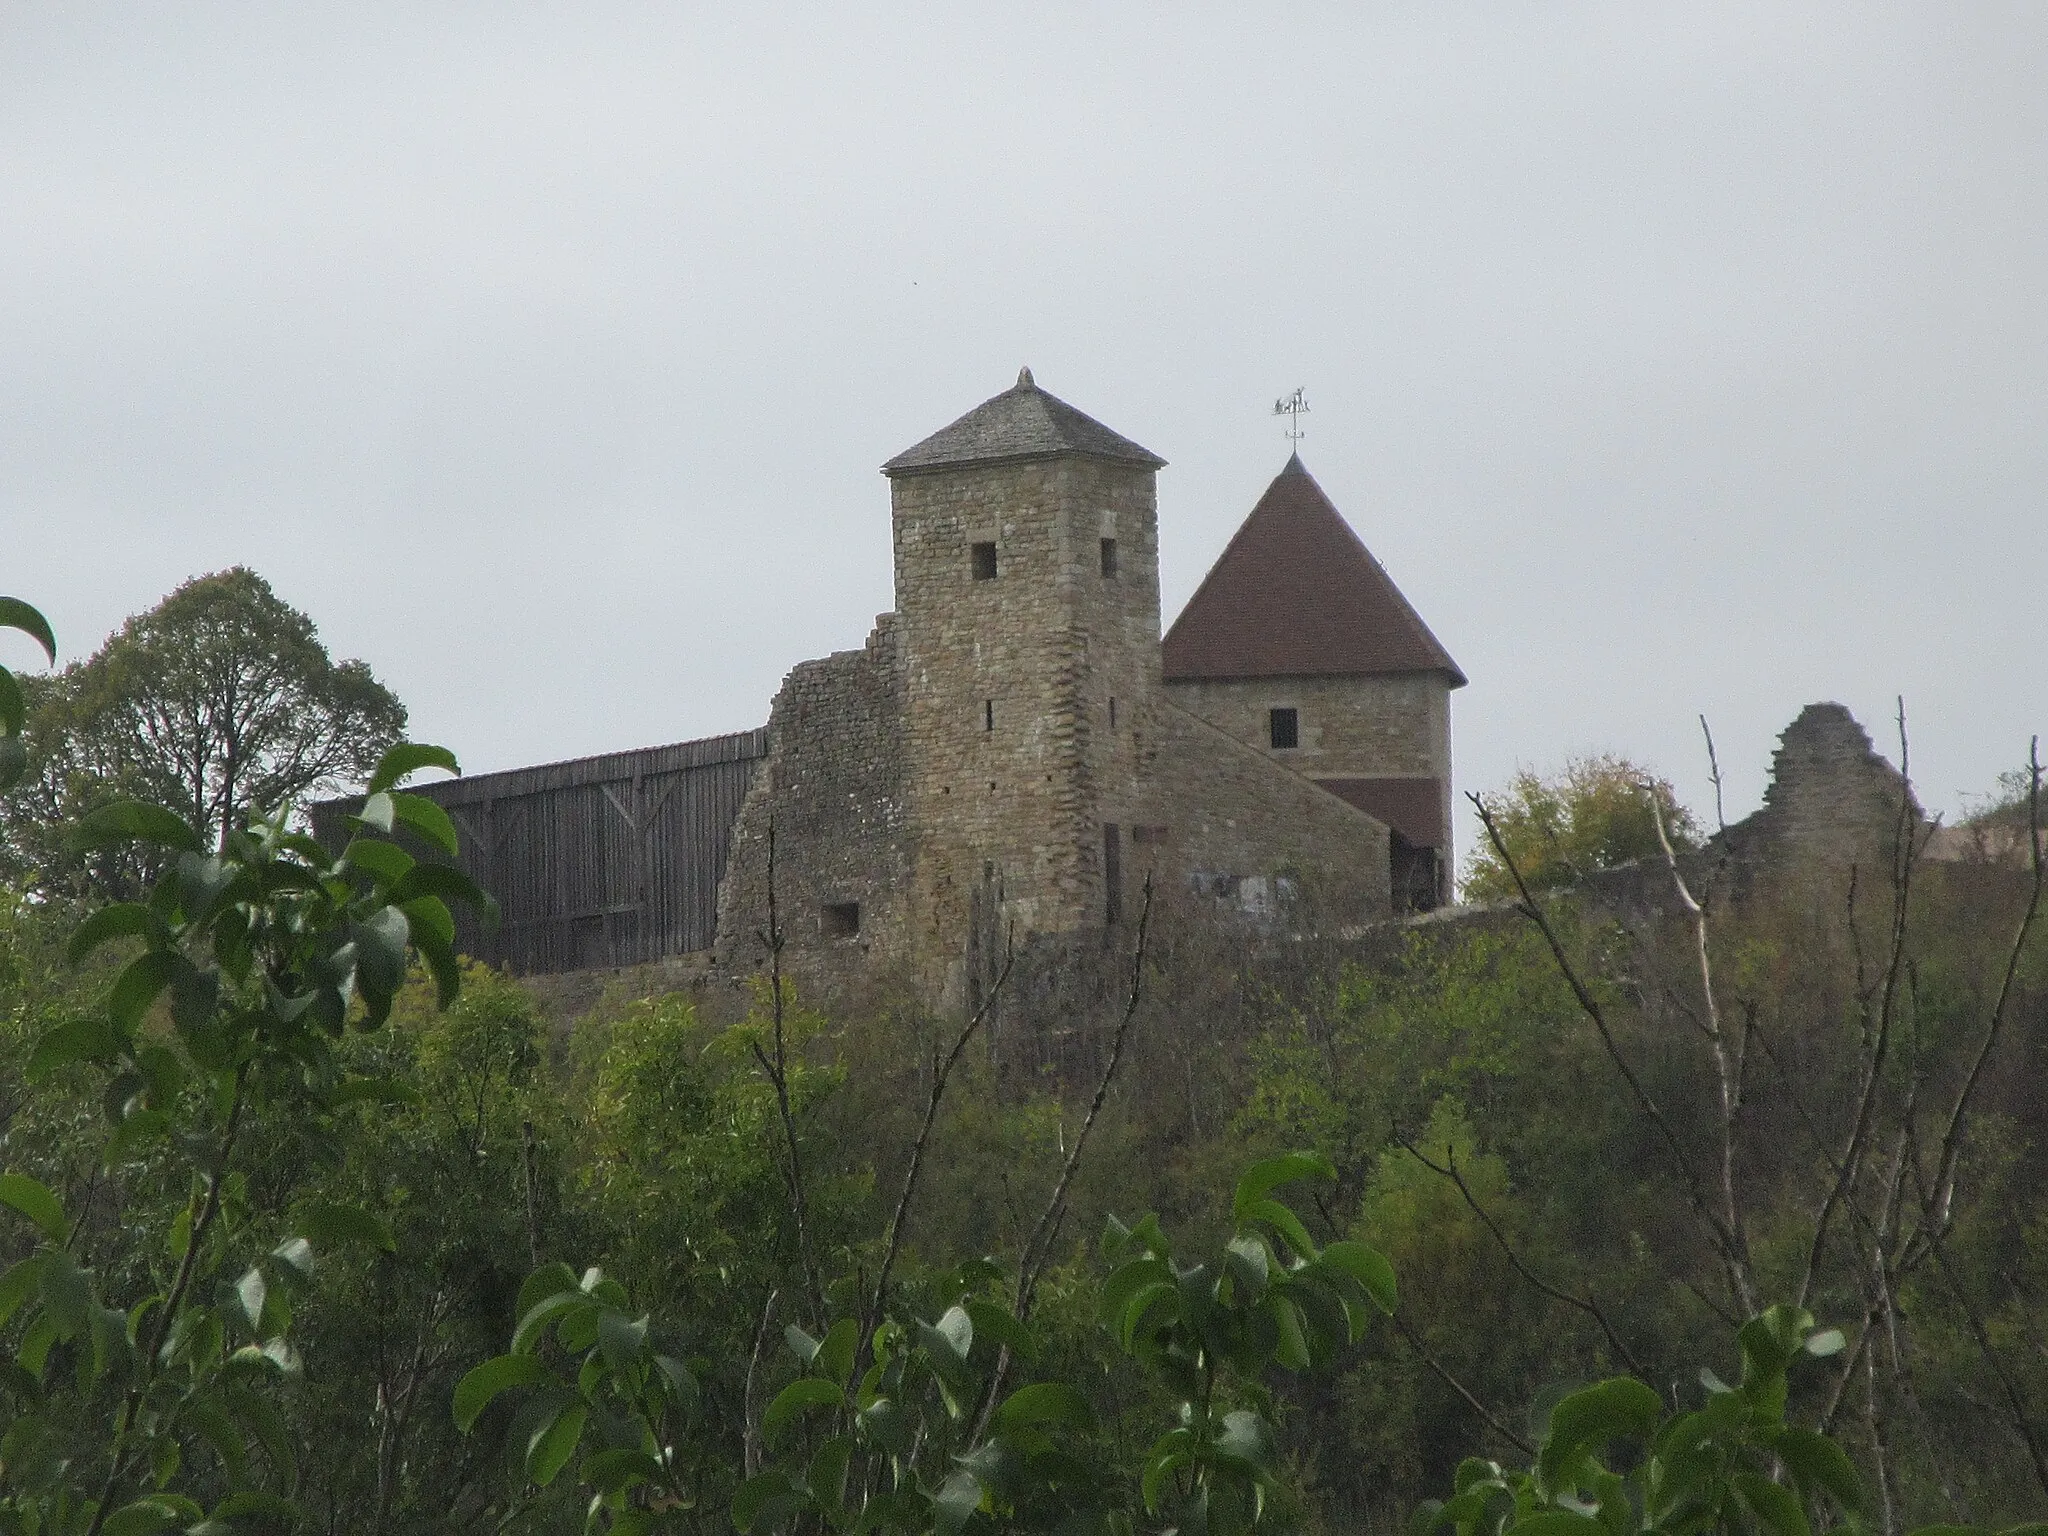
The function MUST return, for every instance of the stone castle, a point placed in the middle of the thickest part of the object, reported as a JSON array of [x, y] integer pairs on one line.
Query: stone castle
[[1016, 750]]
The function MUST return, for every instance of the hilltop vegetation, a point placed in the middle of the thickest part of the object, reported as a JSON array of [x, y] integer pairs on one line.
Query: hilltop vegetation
[[297, 1187]]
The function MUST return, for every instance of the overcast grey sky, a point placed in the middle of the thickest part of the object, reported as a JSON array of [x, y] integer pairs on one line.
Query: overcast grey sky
[[1673, 359]]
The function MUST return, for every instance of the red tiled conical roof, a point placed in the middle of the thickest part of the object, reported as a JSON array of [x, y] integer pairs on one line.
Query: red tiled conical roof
[[1296, 594]]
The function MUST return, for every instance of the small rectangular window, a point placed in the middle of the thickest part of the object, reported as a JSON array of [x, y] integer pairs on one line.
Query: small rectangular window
[[1284, 725], [984, 562], [839, 919], [1112, 874], [988, 714], [1112, 711], [1109, 559]]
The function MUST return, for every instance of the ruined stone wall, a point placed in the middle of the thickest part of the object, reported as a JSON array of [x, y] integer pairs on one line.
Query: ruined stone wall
[[1230, 811], [1012, 765], [1833, 802], [833, 787]]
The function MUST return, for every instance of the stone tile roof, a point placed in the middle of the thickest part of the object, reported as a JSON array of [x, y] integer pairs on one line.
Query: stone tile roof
[[1296, 594], [1020, 423]]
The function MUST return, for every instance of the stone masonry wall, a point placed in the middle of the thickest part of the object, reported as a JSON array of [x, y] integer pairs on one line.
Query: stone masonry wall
[[833, 788], [1230, 810], [1395, 725], [1012, 767], [1832, 802]]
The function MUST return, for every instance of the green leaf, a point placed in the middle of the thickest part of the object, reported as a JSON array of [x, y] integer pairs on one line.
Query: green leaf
[[475, 1391], [449, 884], [134, 821], [264, 1422], [380, 941], [85, 1039], [833, 1358], [1816, 1462], [1283, 1221], [406, 759], [331, 1225], [996, 1325], [558, 1305], [1246, 1439], [252, 1288], [1250, 1263], [553, 1444], [145, 1517], [380, 860], [13, 710], [19, 1283], [619, 1340], [959, 1496], [139, 984], [1045, 1402], [1368, 1266], [427, 820], [1291, 1347], [123, 919], [1557, 1522], [1776, 1508], [548, 1280], [799, 1397], [272, 1509], [614, 1471], [16, 614], [34, 1201], [1273, 1172], [1620, 1408]]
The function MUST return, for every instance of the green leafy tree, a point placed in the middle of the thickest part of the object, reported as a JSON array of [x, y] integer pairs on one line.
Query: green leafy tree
[[1597, 814], [218, 704], [144, 1398]]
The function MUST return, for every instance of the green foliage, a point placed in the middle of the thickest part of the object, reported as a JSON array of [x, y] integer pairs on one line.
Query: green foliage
[[219, 704], [912, 1428], [1735, 1463], [128, 1399], [1210, 1332], [1596, 814], [17, 615]]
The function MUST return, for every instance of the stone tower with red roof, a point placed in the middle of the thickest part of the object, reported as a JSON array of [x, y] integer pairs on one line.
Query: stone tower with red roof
[[1298, 643], [1008, 758]]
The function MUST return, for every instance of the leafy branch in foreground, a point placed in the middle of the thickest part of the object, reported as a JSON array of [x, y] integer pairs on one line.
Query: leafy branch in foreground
[[15, 614], [121, 1414], [1733, 1464], [901, 1446]]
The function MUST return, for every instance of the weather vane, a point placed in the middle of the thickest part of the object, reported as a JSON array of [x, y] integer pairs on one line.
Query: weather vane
[[1294, 407]]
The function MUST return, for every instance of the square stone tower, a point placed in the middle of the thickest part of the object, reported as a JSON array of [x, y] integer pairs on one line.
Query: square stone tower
[[1027, 613]]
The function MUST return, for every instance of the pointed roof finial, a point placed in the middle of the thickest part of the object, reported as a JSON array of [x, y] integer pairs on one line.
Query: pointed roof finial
[[1024, 379]]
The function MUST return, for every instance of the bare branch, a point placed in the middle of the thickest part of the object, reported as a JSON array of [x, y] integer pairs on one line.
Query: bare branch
[[1952, 1136], [1714, 773], [777, 1072], [1905, 853], [1032, 1261], [1583, 1304], [1443, 1373], [1727, 1071], [942, 1071], [1724, 1241], [749, 1426]]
